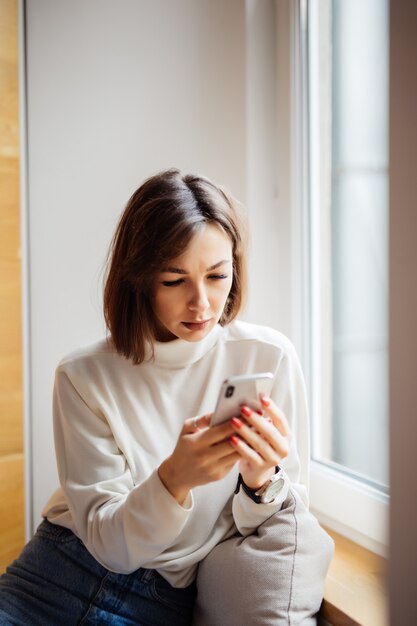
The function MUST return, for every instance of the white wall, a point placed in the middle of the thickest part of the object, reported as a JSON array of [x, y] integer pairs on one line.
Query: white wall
[[115, 92], [269, 154]]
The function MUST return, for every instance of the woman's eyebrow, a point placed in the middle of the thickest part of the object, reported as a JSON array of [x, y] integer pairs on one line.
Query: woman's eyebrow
[[177, 270], [173, 270], [213, 267]]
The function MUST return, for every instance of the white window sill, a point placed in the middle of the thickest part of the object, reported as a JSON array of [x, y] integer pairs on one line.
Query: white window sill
[[347, 506]]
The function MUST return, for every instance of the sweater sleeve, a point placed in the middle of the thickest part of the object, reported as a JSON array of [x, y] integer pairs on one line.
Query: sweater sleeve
[[122, 524], [289, 394]]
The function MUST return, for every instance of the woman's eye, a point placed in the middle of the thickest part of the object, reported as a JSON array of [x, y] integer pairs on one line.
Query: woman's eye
[[179, 281], [218, 276], [172, 283]]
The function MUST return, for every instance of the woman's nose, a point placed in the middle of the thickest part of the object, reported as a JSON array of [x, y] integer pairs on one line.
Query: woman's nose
[[198, 300]]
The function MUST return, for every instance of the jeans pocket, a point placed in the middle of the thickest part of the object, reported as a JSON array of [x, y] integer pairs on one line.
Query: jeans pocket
[[173, 596]]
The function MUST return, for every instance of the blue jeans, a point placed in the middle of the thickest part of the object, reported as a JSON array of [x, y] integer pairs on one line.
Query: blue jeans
[[56, 582]]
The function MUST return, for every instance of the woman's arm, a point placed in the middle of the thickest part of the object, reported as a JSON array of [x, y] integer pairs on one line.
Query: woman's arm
[[288, 447], [123, 524]]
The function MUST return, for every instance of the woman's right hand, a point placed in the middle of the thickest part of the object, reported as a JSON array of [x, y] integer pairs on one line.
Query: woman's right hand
[[202, 455]]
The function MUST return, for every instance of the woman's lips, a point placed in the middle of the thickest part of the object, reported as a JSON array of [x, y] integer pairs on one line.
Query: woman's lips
[[196, 325]]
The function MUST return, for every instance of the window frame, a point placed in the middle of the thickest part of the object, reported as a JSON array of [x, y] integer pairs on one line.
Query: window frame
[[340, 499]]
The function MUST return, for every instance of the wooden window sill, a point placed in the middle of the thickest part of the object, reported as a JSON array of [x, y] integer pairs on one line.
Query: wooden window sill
[[355, 591]]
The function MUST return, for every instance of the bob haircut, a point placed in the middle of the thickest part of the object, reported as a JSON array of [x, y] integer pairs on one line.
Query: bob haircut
[[158, 223]]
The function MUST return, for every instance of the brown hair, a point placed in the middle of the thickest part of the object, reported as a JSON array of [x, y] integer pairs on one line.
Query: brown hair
[[156, 226]]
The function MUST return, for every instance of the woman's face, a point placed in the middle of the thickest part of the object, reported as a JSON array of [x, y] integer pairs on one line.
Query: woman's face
[[190, 293]]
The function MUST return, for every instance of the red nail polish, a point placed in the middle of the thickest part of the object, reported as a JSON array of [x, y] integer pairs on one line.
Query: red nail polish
[[234, 440], [260, 413], [246, 411], [236, 422], [265, 401]]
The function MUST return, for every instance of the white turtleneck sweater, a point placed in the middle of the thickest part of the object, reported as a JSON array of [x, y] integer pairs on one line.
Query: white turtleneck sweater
[[115, 422]]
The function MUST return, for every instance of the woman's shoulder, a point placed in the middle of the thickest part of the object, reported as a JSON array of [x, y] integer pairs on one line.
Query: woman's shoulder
[[239, 330], [89, 354]]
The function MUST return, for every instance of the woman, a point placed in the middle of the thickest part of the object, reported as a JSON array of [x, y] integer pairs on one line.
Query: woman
[[147, 486]]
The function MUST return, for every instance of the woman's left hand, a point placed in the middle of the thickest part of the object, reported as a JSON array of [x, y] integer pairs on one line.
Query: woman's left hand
[[261, 441]]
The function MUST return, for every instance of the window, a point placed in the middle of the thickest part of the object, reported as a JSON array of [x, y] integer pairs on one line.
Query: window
[[344, 69]]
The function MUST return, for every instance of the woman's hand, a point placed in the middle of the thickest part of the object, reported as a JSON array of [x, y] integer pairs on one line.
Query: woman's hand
[[261, 441], [202, 455]]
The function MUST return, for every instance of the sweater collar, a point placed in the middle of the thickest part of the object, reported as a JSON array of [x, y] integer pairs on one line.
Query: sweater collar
[[179, 353]]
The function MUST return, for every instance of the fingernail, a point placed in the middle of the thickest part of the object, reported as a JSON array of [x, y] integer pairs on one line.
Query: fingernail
[[234, 440], [260, 413], [265, 401], [246, 411], [236, 422]]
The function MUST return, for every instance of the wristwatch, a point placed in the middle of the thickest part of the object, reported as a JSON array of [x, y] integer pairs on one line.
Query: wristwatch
[[268, 492]]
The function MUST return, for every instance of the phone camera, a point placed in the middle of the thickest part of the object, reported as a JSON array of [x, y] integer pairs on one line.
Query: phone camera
[[229, 391]]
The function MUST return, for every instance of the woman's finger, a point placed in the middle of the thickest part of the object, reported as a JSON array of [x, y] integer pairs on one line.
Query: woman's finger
[[277, 416], [246, 452], [194, 424], [221, 452], [216, 434], [262, 436], [207, 436], [268, 449]]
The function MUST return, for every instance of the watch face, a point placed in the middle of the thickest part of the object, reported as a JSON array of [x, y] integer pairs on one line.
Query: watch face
[[273, 490]]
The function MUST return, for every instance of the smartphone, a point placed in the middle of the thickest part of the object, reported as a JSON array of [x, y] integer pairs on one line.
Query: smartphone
[[238, 390]]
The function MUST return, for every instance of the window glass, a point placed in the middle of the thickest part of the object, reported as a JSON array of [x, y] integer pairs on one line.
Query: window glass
[[348, 247]]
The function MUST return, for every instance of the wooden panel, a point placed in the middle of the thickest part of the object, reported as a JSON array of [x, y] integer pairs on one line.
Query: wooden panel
[[330, 615], [11, 508], [11, 435], [355, 591], [9, 121], [11, 402]]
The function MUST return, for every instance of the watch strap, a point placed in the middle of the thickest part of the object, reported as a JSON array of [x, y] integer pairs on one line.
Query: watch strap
[[251, 493]]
